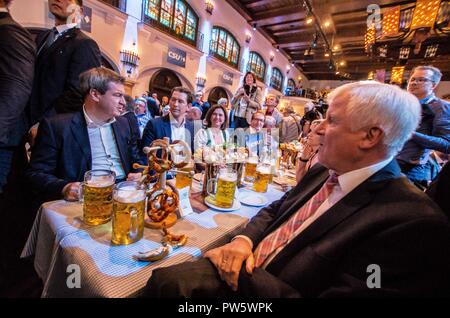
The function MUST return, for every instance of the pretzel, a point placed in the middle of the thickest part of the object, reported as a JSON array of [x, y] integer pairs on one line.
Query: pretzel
[[161, 202], [173, 240]]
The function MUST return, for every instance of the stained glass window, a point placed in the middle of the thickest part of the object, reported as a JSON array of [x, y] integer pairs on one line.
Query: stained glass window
[[173, 16], [224, 46], [276, 81], [257, 65]]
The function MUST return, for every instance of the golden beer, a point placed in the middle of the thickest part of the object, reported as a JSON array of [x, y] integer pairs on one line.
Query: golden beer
[[226, 186], [250, 169], [97, 202], [183, 180], [128, 213], [262, 180]]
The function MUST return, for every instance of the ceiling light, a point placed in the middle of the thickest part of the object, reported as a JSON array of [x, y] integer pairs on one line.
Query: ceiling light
[[326, 24], [309, 20], [254, 26], [278, 48], [342, 63], [327, 54], [336, 47]]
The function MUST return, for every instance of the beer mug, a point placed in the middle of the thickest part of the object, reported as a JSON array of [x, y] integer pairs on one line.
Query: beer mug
[[225, 187], [184, 176], [96, 195], [128, 213], [263, 177], [250, 169]]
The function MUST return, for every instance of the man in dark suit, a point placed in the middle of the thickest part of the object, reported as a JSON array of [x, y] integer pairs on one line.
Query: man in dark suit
[[96, 137], [64, 52], [365, 231], [175, 126], [17, 54]]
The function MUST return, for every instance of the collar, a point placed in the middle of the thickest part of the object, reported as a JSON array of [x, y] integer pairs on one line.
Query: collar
[[350, 180], [4, 10], [174, 122], [427, 99], [91, 124], [64, 27]]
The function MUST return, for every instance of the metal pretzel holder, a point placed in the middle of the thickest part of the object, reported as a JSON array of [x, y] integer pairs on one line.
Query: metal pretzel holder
[[162, 198]]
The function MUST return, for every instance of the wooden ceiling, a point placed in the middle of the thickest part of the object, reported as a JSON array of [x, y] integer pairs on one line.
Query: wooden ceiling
[[284, 24]]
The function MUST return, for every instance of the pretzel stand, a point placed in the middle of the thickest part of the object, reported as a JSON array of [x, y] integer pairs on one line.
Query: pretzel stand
[[162, 198]]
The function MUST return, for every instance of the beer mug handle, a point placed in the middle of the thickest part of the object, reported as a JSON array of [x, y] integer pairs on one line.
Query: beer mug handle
[[81, 192], [134, 226], [209, 189]]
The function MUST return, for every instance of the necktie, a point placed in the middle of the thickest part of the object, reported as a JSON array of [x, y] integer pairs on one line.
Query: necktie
[[49, 41], [281, 236]]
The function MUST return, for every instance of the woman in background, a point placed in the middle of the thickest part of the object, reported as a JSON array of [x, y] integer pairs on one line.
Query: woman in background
[[246, 101]]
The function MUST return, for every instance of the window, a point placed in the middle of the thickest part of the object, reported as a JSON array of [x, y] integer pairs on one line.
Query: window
[[175, 17], [276, 81], [291, 83], [225, 47], [257, 65]]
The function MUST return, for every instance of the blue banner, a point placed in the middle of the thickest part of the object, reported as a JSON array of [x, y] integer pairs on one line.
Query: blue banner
[[176, 56]]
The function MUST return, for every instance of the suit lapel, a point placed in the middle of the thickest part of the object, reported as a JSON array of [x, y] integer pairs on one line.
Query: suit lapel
[[59, 43], [167, 131], [121, 142], [80, 133], [353, 202]]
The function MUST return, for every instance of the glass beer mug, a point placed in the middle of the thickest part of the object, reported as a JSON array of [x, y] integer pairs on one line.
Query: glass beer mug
[[250, 169], [128, 213], [96, 195], [183, 177], [263, 177], [225, 189]]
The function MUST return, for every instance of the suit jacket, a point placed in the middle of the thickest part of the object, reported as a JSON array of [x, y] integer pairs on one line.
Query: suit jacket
[[159, 128], [62, 153], [56, 87], [384, 221], [17, 55]]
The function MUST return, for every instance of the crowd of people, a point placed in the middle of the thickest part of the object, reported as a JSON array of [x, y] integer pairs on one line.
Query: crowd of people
[[352, 207]]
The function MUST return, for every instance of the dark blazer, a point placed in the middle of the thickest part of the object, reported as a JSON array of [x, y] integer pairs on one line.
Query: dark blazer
[[159, 128], [439, 189], [385, 221], [17, 55], [62, 153], [56, 86]]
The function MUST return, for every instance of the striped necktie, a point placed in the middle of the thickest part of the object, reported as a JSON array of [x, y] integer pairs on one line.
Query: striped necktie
[[281, 236]]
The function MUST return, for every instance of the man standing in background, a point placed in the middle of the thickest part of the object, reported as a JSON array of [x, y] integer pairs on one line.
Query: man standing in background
[[63, 53]]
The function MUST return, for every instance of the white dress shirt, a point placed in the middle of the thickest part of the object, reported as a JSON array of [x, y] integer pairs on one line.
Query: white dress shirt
[[346, 183], [63, 28], [104, 150], [3, 10], [178, 130]]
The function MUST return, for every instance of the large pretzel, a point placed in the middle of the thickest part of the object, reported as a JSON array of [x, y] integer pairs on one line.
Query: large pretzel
[[161, 202]]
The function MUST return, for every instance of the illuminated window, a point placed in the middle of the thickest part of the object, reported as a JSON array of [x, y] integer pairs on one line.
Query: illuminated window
[[257, 65], [276, 81], [175, 17], [291, 83], [224, 46]]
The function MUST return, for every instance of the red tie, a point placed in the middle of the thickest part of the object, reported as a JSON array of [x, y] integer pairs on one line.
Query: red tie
[[284, 233]]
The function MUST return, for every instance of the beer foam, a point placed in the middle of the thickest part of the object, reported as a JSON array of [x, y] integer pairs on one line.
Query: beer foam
[[228, 177], [264, 169], [253, 160], [99, 183], [129, 195]]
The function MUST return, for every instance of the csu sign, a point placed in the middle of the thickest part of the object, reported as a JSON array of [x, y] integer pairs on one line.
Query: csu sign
[[176, 56], [227, 78]]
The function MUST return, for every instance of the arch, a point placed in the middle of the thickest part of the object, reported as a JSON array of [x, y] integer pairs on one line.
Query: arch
[[216, 93], [151, 70], [291, 83], [224, 46], [109, 63], [276, 80], [257, 65], [163, 81]]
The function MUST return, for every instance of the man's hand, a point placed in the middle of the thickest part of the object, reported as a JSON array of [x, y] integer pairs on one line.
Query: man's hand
[[71, 192], [134, 176], [228, 260], [32, 133]]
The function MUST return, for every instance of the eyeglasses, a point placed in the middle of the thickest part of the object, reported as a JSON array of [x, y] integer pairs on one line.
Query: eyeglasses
[[419, 80]]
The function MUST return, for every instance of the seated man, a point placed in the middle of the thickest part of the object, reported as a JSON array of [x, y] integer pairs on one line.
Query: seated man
[[364, 231], [97, 137], [433, 132], [254, 135], [174, 125]]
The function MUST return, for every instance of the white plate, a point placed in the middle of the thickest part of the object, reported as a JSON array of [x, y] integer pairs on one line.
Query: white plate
[[252, 198], [236, 205]]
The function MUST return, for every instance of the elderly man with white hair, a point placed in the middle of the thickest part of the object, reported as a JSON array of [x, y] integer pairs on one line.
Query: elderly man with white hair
[[353, 227]]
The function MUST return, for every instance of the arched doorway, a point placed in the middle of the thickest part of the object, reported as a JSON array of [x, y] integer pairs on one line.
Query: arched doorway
[[217, 93], [163, 81]]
